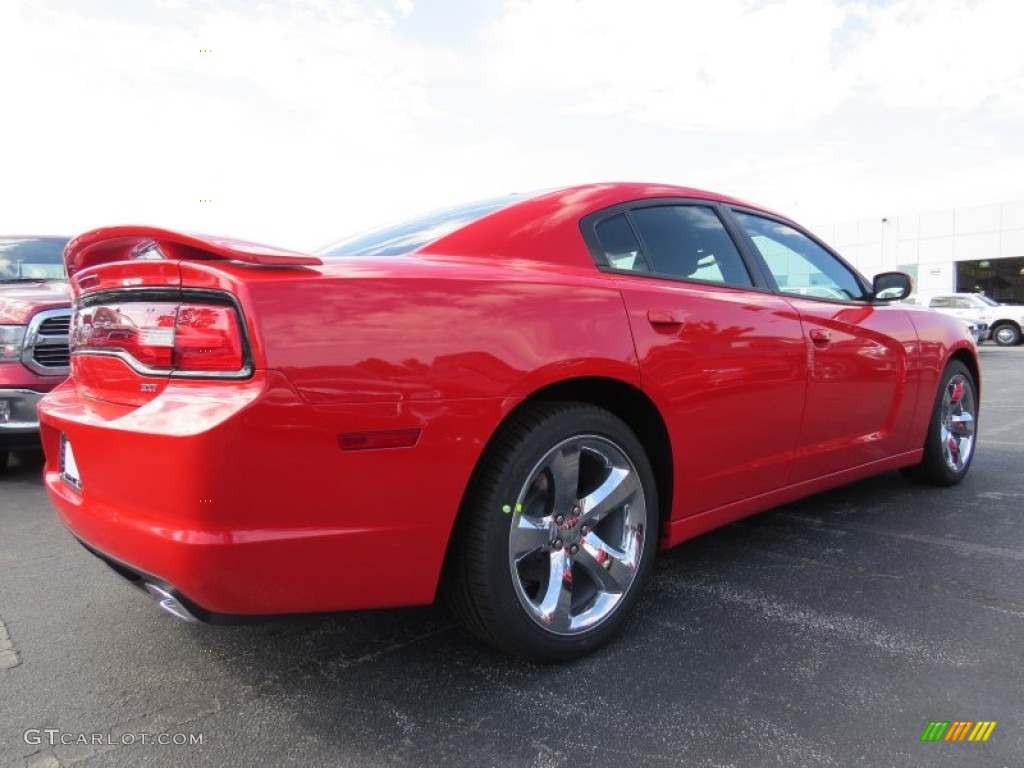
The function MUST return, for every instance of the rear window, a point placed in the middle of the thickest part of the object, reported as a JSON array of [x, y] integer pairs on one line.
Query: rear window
[[406, 236]]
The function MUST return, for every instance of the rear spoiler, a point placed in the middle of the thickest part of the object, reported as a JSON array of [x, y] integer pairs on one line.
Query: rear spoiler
[[99, 246]]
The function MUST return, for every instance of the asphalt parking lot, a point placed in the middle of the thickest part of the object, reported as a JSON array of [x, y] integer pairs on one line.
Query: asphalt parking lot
[[824, 633]]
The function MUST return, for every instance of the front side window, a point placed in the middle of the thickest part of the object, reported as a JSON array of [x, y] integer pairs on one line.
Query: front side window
[[680, 241], [800, 266], [941, 302]]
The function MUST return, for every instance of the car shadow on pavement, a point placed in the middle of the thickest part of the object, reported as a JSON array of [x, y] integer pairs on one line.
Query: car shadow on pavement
[[24, 468], [782, 607]]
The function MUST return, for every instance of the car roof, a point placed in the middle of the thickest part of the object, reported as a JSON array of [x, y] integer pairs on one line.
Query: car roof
[[545, 226], [605, 194]]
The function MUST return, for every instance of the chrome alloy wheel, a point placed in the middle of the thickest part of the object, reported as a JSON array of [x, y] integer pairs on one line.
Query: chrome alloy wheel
[[956, 422], [577, 534]]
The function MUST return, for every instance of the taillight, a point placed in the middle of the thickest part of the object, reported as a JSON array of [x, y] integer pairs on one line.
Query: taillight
[[207, 339], [162, 337]]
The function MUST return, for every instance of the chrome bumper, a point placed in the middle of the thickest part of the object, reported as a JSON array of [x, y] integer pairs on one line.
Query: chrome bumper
[[19, 416]]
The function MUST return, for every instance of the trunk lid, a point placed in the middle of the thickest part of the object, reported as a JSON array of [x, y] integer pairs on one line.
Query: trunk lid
[[152, 305]]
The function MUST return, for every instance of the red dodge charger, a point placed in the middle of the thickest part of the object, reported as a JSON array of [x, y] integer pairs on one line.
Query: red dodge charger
[[514, 402]]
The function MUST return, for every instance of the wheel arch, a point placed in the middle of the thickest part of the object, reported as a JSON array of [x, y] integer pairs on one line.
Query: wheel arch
[[635, 408], [625, 401]]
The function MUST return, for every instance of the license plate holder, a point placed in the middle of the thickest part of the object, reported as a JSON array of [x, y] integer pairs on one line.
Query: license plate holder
[[68, 465]]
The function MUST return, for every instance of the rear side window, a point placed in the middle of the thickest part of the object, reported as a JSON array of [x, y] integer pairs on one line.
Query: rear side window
[[799, 265], [680, 241], [620, 246]]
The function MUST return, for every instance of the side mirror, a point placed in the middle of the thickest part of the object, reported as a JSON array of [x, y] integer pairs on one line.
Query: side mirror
[[892, 286]]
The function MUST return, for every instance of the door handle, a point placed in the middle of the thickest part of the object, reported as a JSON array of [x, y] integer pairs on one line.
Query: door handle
[[665, 317], [820, 336]]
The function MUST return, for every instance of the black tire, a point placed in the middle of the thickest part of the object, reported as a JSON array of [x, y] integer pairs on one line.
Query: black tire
[[941, 465], [1006, 335], [5, 457], [503, 599]]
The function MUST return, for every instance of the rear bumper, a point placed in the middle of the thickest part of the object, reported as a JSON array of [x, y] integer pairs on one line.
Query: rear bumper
[[236, 498], [157, 589]]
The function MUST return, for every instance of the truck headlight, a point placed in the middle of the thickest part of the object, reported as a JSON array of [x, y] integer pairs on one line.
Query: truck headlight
[[11, 339]]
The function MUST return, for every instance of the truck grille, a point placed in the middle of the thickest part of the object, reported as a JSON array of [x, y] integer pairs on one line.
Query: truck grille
[[56, 326], [46, 343], [52, 357]]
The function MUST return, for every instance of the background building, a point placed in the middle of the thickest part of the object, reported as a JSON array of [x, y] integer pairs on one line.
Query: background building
[[980, 248]]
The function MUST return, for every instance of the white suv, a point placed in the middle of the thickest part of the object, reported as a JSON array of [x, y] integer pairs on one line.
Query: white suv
[[1004, 320]]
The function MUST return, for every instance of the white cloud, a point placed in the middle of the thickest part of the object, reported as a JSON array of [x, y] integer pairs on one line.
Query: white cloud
[[308, 119], [724, 65], [944, 56], [756, 67], [267, 112], [820, 109]]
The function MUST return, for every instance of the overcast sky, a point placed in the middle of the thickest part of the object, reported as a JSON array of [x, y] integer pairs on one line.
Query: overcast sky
[[304, 120]]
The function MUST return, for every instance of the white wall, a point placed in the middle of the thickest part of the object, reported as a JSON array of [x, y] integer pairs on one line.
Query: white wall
[[932, 240]]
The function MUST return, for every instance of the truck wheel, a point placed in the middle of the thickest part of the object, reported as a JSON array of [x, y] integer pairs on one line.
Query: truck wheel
[[1006, 335]]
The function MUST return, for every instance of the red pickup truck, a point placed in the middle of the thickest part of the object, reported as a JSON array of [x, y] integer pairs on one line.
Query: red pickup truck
[[35, 310]]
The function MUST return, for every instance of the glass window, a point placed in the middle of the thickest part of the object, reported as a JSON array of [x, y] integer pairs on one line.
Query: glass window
[[689, 241], [800, 266], [962, 302], [944, 302], [407, 236], [32, 258], [619, 244]]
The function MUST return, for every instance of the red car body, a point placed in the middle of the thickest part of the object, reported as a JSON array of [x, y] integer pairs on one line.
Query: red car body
[[325, 471]]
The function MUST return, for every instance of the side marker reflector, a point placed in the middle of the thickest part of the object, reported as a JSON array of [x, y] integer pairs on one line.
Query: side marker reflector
[[367, 441]]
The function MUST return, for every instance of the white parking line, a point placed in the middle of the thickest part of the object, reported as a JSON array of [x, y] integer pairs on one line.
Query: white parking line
[[8, 654]]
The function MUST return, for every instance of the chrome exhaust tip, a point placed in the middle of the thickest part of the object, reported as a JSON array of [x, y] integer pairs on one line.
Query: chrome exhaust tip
[[168, 603]]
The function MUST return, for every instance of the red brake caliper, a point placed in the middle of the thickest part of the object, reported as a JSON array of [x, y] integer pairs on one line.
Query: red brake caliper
[[954, 448], [955, 395]]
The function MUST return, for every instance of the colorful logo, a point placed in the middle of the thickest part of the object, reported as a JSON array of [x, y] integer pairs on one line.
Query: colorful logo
[[958, 730]]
